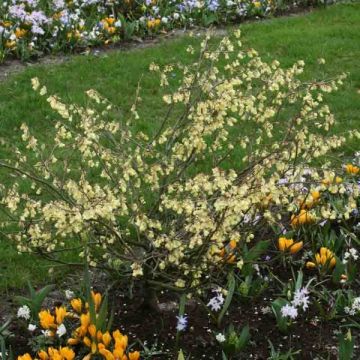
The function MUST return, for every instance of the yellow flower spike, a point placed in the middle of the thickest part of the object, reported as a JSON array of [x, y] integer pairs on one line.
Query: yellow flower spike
[[134, 355], [47, 320], [43, 355], [97, 299], [118, 352], [296, 247], [123, 342], [92, 330], [288, 243], [106, 339], [106, 353], [60, 313], [310, 265], [72, 341], [25, 357], [323, 251], [87, 341], [282, 243], [117, 334], [285, 244], [99, 336], [85, 320], [332, 262], [76, 305], [67, 353], [338, 180], [324, 257]]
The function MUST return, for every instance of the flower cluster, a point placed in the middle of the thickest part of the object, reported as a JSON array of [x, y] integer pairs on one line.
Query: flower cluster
[[89, 332], [354, 308], [32, 27], [289, 245], [300, 300], [325, 258]]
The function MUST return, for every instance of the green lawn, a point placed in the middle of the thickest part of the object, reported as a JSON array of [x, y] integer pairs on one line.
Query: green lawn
[[331, 33]]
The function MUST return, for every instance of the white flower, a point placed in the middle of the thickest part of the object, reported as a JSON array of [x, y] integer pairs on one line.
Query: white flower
[[181, 323], [32, 327], [220, 338], [289, 311], [24, 312], [301, 298], [69, 294], [216, 302], [46, 333], [61, 330]]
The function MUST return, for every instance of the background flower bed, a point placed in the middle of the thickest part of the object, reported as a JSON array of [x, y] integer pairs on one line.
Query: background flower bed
[[34, 27]]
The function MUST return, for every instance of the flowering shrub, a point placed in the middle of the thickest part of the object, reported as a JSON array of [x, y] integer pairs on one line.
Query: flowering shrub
[[181, 207], [33, 27]]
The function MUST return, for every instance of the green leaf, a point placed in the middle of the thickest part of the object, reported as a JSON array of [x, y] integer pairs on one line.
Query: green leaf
[[256, 251], [231, 289], [102, 315], [299, 280], [281, 321], [244, 337], [346, 346]]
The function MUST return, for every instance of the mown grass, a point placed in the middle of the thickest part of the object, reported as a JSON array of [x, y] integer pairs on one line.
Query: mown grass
[[331, 33]]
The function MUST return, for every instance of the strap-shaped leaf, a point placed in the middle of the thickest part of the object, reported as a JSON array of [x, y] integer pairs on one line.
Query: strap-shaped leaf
[[231, 289]]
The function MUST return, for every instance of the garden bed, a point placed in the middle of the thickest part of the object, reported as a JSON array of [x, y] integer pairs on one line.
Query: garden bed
[[31, 29]]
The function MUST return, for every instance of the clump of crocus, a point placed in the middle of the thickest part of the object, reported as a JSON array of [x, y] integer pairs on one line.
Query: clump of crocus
[[304, 217], [63, 353], [289, 245], [324, 258], [352, 169], [91, 335]]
